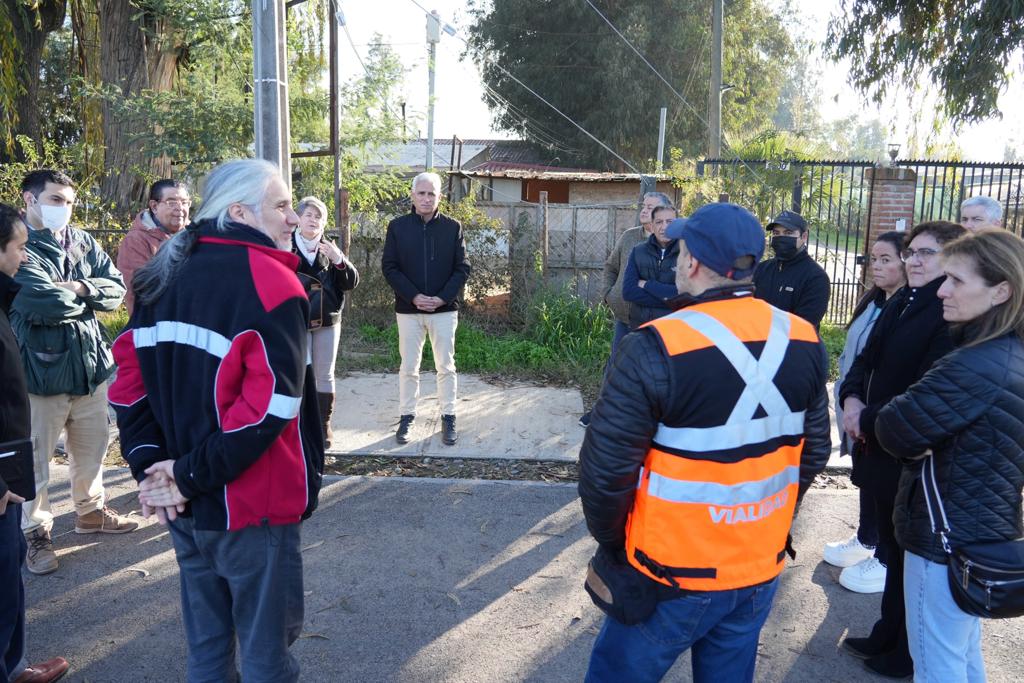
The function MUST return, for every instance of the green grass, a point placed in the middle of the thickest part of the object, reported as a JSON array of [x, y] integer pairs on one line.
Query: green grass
[[113, 322]]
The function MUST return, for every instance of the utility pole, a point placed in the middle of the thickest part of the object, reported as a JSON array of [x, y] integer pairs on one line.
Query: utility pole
[[661, 137], [270, 85], [715, 90], [337, 17], [433, 38]]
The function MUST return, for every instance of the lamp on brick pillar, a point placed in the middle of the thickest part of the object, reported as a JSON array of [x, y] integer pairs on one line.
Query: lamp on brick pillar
[[894, 150]]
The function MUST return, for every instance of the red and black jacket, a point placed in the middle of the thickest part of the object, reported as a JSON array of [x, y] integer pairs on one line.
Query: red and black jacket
[[214, 374]]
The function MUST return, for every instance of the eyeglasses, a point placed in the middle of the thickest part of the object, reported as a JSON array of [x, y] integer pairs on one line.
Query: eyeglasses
[[921, 254], [176, 203]]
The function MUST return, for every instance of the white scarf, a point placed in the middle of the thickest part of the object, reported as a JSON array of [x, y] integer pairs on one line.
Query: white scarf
[[308, 248]]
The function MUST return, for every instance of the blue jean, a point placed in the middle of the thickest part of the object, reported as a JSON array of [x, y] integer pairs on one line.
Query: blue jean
[[720, 628], [245, 584], [12, 593], [945, 641]]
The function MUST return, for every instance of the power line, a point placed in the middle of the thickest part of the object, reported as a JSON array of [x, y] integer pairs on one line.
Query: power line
[[533, 92], [665, 81]]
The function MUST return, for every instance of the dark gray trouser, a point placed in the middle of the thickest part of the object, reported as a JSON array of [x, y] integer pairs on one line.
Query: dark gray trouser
[[245, 584]]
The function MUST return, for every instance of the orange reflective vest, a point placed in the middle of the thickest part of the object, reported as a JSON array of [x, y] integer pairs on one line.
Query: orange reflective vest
[[714, 503]]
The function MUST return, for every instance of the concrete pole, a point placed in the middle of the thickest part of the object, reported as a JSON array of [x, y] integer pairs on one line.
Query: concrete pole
[[433, 37], [270, 84], [715, 91], [337, 20], [661, 137]]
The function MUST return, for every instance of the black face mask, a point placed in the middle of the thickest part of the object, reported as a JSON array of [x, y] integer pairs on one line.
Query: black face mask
[[784, 247]]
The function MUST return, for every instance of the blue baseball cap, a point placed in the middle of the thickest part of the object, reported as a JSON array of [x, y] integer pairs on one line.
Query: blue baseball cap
[[720, 234]]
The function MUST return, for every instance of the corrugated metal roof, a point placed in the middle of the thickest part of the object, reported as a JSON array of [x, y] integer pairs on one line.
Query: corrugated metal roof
[[570, 176]]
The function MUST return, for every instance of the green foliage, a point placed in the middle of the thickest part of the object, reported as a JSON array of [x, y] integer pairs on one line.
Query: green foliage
[[113, 322], [565, 340], [834, 337], [963, 47], [566, 52]]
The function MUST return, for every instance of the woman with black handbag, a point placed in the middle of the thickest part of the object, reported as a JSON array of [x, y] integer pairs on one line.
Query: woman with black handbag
[[964, 501], [326, 275]]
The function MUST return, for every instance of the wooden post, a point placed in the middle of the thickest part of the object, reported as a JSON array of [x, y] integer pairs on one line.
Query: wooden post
[[544, 236], [344, 232]]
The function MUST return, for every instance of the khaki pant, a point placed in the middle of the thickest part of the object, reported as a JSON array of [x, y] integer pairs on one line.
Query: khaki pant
[[85, 419], [413, 329]]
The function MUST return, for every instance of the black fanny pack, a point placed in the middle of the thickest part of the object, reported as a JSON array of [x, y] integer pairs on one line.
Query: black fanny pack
[[619, 590], [986, 579], [17, 469]]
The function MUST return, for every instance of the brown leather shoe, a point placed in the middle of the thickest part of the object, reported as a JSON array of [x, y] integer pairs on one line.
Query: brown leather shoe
[[105, 521], [44, 672]]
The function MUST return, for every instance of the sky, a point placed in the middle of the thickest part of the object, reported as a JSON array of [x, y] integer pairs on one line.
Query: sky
[[460, 109]]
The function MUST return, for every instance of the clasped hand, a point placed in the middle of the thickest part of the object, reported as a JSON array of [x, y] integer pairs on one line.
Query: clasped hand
[[159, 493], [852, 408], [427, 304]]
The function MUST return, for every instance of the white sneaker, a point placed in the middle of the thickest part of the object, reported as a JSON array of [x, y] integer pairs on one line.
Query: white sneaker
[[866, 577], [846, 553]]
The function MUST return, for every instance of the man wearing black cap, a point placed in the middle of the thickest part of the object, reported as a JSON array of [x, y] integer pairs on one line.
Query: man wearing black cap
[[792, 280], [711, 425]]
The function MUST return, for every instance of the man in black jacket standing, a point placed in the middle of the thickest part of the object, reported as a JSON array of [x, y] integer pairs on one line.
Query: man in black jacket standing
[[424, 261], [17, 481], [792, 280]]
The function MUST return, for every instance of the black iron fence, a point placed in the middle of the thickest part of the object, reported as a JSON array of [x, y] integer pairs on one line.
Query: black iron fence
[[835, 198]]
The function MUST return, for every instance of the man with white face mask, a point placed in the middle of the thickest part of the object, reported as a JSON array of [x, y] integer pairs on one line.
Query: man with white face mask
[[65, 281]]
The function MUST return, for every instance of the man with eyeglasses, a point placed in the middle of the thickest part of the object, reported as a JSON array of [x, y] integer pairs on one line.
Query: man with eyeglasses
[[792, 281], [169, 203]]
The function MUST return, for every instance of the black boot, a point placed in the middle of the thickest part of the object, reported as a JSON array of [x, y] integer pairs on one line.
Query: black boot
[[326, 402], [891, 665], [404, 424], [448, 434]]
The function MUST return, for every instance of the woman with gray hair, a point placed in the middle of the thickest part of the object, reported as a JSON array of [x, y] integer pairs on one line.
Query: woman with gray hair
[[326, 275]]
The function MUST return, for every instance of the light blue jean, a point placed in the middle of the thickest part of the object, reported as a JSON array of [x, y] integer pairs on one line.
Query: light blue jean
[[720, 628], [945, 641]]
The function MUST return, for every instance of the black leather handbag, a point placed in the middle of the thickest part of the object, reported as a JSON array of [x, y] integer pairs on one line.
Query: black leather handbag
[[986, 579]]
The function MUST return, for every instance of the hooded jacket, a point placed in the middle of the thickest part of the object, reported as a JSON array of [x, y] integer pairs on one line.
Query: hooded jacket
[[214, 375], [63, 346], [425, 258], [138, 246], [797, 285]]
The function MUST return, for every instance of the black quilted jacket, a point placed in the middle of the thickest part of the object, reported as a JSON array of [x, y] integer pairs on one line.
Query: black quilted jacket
[[969, 410]]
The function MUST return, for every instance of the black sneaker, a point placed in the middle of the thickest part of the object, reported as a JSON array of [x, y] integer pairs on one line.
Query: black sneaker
[[891, 665], [404, 424], [864, 648], [448, 434], [585, 420]]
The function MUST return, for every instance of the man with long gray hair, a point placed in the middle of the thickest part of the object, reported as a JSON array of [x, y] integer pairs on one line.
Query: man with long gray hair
[[218, 416], [424, 261]]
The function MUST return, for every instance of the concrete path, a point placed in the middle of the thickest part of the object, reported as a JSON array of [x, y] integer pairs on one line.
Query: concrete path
[[506, 420], [433, 580]]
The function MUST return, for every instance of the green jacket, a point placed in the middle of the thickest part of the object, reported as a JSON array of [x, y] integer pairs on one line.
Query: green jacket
[[615, 268], [61, 341]]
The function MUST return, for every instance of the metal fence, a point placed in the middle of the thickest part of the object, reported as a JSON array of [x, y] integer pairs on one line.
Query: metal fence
[[835, 198]]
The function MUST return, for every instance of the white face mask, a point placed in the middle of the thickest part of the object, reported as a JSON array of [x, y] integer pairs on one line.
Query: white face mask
[[55, 218]]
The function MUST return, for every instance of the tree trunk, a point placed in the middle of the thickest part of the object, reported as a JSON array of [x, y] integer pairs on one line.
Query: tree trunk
[[30, 39], [138, 51]]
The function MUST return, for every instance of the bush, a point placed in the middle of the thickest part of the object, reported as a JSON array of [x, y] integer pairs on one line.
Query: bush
[[834, 337]]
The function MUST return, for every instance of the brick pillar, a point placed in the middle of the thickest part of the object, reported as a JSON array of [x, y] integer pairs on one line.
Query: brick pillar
[[890, 199]]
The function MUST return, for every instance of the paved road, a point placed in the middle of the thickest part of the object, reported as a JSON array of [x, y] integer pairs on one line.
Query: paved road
[[433, 580]]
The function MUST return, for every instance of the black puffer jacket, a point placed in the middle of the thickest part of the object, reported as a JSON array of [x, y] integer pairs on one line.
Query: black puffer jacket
[[656, 266], [798, 285], [969, 409], [639, 392], [908, 338], [325, 285]]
